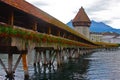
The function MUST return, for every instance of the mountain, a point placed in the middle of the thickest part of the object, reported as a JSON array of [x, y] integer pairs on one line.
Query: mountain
[[70, 24], [98, 27], [102, 27]]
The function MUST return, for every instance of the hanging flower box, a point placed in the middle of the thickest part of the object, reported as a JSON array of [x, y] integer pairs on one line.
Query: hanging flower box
[[36, 37]]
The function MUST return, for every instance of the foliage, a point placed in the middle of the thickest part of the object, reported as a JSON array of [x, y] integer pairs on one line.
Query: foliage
[[36, 37]]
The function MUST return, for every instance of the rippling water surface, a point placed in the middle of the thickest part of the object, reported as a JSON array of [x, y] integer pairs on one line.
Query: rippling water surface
[[104, 65]]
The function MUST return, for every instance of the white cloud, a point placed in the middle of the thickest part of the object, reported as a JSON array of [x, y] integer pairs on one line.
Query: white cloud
[[65, 10]]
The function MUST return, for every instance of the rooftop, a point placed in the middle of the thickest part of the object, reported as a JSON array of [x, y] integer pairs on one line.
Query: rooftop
[[81, 16]]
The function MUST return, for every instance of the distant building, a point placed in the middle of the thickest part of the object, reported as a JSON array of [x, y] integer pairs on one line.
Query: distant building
[[96, 37], [81, 23], [111, 37]]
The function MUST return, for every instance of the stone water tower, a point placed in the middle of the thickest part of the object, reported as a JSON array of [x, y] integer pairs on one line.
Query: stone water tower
[[81, 23]]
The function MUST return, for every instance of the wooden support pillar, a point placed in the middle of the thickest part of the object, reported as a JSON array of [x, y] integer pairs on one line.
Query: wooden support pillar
[[58, 58], [70, 54], [54, 56], [49, 30], [62, 54], [35, 58], [50, 57], [35, 61], [39, 57], [64, 35], [34, 25], [79, 49], [25, 66], [78, 55], [45, 58], [66, 52], [11, 18], [82, 51], [10, 71], [73, 53], [58, 33], [85, 51], [39, 68]]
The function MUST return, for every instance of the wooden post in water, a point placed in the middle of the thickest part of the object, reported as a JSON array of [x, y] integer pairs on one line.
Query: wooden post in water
[[58, 58], [76, 53], [50, 57], [81, 51], [25, 65], [45, 58], [10, 71], [38, 61], [11, 67], [70, 53], [35, 58], [39, 57], [35, 61]]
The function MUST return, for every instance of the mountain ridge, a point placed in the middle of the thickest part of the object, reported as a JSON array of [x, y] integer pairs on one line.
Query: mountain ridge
[[98, 27]]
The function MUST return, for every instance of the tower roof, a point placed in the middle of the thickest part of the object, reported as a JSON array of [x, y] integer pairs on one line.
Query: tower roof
[[81, 16]]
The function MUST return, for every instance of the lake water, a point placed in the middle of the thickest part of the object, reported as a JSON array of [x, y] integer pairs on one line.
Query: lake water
[[103, 65]]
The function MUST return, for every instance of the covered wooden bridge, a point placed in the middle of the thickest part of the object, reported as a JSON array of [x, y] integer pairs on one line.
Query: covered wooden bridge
[[23, 28]]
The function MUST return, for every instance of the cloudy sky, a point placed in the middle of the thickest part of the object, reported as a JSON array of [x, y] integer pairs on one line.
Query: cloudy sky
[[107, 11]]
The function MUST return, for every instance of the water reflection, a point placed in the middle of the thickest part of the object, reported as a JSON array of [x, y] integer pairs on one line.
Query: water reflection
[[73, 70], [103, 65]]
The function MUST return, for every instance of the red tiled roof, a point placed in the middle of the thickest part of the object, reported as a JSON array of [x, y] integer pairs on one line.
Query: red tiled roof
[[28, 8], [32, 10], [81, 16]]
